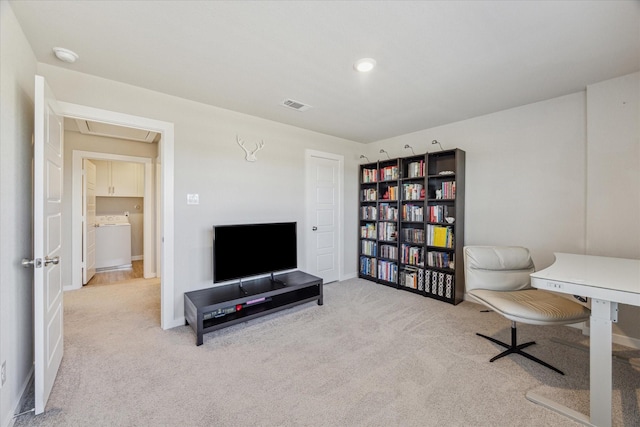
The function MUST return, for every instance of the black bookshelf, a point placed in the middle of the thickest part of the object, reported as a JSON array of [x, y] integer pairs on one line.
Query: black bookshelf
[[412, 224]]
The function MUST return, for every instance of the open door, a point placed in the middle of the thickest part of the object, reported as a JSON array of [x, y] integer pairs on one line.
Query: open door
[[47, 242], [89, 220]]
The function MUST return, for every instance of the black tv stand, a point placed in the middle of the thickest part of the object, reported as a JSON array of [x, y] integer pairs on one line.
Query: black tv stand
[[210, 309]]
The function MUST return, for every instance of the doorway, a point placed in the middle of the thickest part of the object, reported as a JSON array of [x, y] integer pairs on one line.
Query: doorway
[[164, 200], [142, 225]]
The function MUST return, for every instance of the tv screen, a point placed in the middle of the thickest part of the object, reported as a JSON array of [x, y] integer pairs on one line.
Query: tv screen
[[245, 250]]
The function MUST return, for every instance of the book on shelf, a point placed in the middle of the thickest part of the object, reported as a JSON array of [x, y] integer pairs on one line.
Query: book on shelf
[[438, 235], [391, 193], [416, 169], [414, 213], [388, 271], [368, 213], [368, 231], [413, 191], [413, 235], [388, 231], [389, 173], [440, 260], [369, 175], [412, 255], [368, 266], [369, 195], [389, 251], [369, 248], [438, 213], [388, 212], [447, 190]]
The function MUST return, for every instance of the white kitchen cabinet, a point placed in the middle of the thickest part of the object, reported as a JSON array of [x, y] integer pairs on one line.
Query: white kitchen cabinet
[[119, 179]]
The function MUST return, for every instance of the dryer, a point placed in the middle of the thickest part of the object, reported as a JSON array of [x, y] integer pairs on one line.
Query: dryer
[[113, 242]]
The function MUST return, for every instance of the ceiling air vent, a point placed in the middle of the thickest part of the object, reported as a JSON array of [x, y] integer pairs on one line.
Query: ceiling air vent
[[295, 105]]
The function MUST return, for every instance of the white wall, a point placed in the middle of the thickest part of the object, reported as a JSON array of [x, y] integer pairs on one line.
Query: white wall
[[525, 174], [209, 162], [17, 69], [613, 178]]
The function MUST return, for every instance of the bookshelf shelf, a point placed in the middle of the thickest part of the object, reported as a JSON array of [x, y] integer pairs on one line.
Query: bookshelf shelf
[[418, 247]]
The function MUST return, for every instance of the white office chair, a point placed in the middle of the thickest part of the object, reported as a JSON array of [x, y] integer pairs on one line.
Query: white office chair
[[498, 277]]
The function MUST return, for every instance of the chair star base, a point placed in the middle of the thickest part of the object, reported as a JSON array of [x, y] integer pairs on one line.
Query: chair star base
[[515, 348]]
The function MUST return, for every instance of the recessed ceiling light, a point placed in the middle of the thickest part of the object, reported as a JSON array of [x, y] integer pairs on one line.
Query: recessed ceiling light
[[65, 55], [364, 65]]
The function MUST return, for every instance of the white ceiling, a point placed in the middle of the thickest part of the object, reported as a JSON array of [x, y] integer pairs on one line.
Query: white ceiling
[[438, 61]]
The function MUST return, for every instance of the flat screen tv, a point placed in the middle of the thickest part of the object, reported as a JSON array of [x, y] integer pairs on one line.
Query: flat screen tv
[[245, 250]]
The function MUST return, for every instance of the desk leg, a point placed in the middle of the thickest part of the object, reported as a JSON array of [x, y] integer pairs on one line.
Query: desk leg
[[603, 313]]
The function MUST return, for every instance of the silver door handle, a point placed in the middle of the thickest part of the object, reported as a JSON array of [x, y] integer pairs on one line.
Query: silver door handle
[[26, 263], [314, 228], [55, 260]]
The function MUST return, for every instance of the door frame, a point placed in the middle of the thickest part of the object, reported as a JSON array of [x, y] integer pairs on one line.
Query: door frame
[[166, 190], [149, 213], [309, 220]]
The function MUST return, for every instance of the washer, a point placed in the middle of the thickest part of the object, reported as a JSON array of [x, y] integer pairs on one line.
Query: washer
[[113, 242]]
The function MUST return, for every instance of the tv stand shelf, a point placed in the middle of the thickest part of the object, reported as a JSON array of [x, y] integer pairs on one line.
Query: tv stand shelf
[[214, 308]]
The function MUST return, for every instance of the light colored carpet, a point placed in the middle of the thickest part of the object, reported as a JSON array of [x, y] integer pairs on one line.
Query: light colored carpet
[[370, 356]]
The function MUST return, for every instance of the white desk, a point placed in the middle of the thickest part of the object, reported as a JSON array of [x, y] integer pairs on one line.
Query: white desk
[[607, 281]]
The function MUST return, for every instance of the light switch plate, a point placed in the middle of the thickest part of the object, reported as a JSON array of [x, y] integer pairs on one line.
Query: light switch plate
[[193, 199]]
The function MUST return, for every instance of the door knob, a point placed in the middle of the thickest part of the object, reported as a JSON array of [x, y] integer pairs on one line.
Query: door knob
[[55, 260], [26, 263], [314, 228]]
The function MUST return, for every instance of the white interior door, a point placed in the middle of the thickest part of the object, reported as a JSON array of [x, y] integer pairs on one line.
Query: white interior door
[[89, 221], [323, 185], [47, 244]]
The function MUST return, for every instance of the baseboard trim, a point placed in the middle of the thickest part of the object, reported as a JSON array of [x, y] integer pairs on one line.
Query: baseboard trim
[[175, 323], [22, 398], [349, 276], [618, 339]]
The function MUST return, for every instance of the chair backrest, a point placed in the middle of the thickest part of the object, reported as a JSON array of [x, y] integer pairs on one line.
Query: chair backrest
[[498, 268]]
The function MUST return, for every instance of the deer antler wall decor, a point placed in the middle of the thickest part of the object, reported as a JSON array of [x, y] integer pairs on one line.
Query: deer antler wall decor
[[251, 155]]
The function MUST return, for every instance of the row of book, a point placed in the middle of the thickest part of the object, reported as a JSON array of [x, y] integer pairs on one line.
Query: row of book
[[435, 235], [413, 191], [369, 195], [416, 169], [412, 213], [391, 193], [368, 231], [368, 212], [368, 266], [412, 255], [438, 213], [388, 212], [388, 271], [369, 175], [413, 235], [389, 173], [368, 247], [389, 251], [447, 190], [438, 235], [388, 231], [440, 260]]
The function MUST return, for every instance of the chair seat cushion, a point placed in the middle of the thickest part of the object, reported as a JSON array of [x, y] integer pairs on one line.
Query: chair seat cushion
[[532, 306]]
